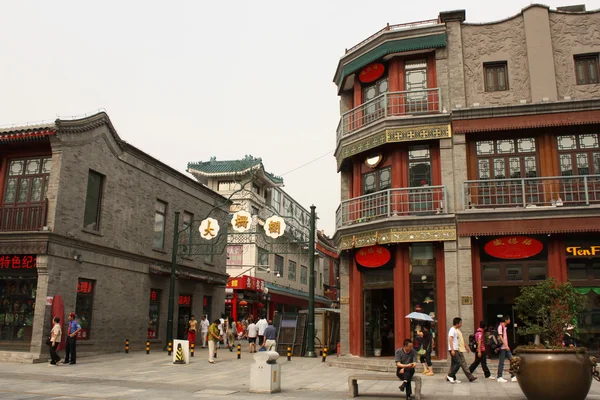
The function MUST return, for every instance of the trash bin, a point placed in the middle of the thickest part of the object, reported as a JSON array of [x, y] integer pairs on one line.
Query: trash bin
[[265, 373]]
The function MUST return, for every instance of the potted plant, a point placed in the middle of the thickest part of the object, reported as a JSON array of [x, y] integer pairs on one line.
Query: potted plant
[[549, 370]]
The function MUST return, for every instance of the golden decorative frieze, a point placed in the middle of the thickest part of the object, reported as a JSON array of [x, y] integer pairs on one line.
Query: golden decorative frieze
[[395, 135], [415, 234]]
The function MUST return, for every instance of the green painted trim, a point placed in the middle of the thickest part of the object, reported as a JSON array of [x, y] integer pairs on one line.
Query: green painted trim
[[395, 46]]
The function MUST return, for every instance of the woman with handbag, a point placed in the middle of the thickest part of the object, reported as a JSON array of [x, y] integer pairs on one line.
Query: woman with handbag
[[426, 347], [54, 341]]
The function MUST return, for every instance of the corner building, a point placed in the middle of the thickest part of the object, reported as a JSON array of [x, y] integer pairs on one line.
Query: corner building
[[469, 157]]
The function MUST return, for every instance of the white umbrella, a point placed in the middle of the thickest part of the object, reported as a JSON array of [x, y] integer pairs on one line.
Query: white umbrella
[[419, 316]]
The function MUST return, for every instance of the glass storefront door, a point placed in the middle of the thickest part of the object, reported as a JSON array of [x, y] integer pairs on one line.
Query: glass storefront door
[[17, 309], [378, 303]]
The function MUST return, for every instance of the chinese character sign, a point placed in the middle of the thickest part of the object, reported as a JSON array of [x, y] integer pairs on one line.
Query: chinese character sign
[[185, 300], [274, 226], [209, 228], [241, 221], [17, 262], [513, 247], [85, 286]]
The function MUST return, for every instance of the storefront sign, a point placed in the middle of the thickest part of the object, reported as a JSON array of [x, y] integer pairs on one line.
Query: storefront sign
[[466, 300], [578, 251], [246, 282], [85, 287], [185, 300], [373, 256], [371, 72], [18, 262], [49, 300], [153, 295], [513, 247]]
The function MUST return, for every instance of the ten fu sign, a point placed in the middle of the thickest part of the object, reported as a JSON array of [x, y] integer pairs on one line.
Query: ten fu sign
[[579, 251]]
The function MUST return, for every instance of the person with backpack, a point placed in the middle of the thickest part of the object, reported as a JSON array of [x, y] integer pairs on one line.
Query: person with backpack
[[476, 342], [504, 349], [491, 341]]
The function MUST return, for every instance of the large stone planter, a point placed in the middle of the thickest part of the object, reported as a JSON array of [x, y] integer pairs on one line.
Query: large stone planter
[[553, 374]]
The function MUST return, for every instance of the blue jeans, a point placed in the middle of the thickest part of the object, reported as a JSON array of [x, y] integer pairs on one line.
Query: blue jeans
[[503, 354]]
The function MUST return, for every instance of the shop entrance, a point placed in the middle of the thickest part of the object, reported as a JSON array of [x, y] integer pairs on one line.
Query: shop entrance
[[499, 301], [379, 322], [17, 308], [184, 314]]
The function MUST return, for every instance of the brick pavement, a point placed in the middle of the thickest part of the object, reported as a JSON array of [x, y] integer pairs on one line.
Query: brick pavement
[[137, 376]]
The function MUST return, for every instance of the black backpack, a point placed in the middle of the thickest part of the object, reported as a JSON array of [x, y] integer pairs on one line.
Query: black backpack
[[491, 340], [472, 343]]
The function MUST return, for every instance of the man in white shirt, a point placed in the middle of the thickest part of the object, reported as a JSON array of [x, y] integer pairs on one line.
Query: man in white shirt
[[252, 333], [222, 330], [453, 350], [204, 324], [261, 325]]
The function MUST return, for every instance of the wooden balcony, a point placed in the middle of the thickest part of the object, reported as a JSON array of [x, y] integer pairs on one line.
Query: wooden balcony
[[23, 218]]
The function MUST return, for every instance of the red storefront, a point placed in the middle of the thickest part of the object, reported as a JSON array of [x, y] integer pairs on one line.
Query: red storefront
[[245, 296]]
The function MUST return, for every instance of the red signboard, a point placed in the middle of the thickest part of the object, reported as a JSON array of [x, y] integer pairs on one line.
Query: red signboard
[[371, 72], [185, 300], [85, 287], [153, 295], [246, 282], [373, 256], [18, 262], [83, 334], [513, 247]]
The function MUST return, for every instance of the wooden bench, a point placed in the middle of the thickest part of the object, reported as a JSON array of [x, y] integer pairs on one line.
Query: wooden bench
[[353, 383]]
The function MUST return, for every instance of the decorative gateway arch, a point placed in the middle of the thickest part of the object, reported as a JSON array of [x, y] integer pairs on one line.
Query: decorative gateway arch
[[212, 234]]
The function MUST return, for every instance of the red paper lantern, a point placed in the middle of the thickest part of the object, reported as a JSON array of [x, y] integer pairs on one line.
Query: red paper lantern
[[243, 303], [260, 305], [513, 247], [373, 256]]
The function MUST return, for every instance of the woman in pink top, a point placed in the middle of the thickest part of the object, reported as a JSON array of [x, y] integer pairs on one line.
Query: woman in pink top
[[481, 355]]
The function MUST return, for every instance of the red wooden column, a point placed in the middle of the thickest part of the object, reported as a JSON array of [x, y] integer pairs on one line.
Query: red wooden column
[[557, 260], [401, 293], [356, 309], [442, 331], [477, 283]]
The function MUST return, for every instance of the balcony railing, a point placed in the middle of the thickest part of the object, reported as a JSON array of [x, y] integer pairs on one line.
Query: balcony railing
[[23, 218], [396, 27], [394, 104], [532, 192], [425, 200]]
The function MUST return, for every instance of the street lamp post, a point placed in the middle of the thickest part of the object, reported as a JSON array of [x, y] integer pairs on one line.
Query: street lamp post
[[310, 342], [172, 282]]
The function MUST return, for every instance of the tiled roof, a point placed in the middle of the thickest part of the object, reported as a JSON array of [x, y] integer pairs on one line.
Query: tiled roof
[[216, 168], [295, 292], [26, 132]]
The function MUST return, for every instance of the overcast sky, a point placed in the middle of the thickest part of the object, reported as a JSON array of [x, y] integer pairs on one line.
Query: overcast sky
[[187, 80]]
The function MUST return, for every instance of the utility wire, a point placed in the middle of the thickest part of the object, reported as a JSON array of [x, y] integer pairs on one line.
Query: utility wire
[[310, 162]]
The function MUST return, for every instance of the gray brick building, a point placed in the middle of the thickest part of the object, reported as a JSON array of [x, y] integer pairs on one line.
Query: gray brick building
[[86, 216]]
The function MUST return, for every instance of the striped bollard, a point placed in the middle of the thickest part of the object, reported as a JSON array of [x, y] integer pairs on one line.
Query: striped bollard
[[147, 347], [192, 345], [126, 346], [289, 353], [324, 354], [170, 348], [239, 351]]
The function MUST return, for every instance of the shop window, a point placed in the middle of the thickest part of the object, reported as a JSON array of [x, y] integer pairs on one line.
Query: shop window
[[537, 272], [292, 270], [303, 275], [422, 284], [154, 313], [583, 270], [495, 76], [506, 158], [276, 200], [415, 79], [377, 180], [514, 272], [18, 285], [27, 181], [235, 255], [262, 257], [278, 265], [579, 154], [186, 238], [160, 214], [228, 186], [586, 69], [84, 305], [490, 273], [511, 274]]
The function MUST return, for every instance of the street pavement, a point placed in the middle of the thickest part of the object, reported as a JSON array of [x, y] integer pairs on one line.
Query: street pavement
[[140, 376]]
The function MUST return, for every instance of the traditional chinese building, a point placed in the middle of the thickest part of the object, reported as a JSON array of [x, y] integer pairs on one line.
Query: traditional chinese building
[[264, 276], [86, 217], [469, 155]]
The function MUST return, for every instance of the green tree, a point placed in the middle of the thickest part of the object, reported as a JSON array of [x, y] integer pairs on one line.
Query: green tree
[[547, 308]]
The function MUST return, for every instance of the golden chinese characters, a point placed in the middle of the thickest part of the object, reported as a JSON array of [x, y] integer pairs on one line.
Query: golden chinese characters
[[241, 221], [274, 227]]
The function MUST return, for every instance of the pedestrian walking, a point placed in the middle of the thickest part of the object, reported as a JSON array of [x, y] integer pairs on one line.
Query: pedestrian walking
[[231, 333], [455, 355], [214, 338], [426, 349], [252, 334], [192, 327], [462, 349], [504, 349], [270, 337], [406, 362], [221, 330], [204, 324], [261, 325], [481, 352], [55, 336], [72, 331]]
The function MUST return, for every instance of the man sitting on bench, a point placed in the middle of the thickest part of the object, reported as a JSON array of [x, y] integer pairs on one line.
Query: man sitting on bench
[[406, 361]]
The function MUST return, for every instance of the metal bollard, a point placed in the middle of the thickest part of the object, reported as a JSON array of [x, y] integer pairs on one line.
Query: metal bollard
[[147, 347], [324, 354], [289, 353], [126, 346], [239, 351], [192, 345], [170, 348]]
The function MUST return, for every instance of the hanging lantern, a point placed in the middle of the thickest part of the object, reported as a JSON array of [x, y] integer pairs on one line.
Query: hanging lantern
[[260, 305], [243, 303]]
